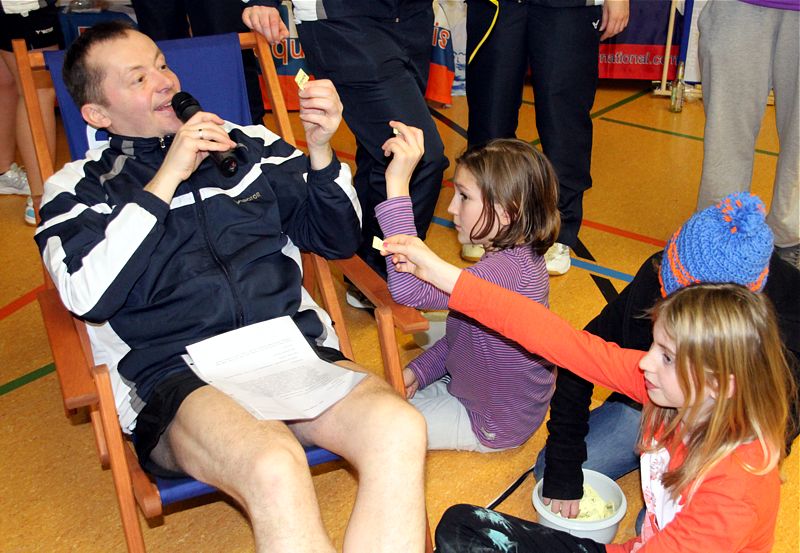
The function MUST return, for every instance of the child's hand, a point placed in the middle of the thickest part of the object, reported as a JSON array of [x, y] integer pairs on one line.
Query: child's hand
[[568, 508], [406, 147], [411, 382], [411, 255]]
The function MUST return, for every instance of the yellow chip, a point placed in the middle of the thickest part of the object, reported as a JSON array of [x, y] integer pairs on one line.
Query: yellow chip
[[377, 243], [395, 131], [301, 79]]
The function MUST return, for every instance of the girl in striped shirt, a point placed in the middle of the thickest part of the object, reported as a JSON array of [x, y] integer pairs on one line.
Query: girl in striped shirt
[[478, 390]]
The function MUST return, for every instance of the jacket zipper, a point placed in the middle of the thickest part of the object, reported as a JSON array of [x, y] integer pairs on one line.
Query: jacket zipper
[[239, 321]]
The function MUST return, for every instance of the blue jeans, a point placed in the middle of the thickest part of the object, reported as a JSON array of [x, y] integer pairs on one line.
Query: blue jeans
[[611, 442]]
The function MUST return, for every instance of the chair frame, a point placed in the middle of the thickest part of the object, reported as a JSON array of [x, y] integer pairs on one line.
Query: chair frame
[[87, 387]]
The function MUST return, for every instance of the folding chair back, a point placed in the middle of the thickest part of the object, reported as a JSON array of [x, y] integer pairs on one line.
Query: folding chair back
[[217, 83]]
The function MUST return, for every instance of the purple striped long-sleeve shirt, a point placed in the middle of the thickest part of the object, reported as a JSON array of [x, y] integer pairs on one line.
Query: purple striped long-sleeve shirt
[[505, 389]]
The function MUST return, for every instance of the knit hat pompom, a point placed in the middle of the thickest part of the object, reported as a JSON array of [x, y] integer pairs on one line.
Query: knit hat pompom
[[727, 242]]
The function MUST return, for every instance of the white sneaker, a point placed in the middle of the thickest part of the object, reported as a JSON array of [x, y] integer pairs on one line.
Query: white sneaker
[[557, 259], [30, 214], [14, 181], [356, 298], [472, 252]]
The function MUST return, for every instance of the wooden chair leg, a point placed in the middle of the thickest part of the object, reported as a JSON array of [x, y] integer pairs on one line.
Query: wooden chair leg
[[119, 465], [392, 367]]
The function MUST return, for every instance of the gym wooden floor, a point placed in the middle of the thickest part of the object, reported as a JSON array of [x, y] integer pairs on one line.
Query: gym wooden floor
[[646, 167]]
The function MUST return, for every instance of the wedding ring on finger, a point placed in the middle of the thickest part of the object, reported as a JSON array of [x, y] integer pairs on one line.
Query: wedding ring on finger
[[201, 133]]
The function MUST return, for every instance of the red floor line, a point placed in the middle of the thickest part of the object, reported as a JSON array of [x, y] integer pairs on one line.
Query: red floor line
[[624, 233], [20, 302], [592, 224]]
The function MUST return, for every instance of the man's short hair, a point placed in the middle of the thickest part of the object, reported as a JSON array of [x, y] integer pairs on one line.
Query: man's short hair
[[82, 79]]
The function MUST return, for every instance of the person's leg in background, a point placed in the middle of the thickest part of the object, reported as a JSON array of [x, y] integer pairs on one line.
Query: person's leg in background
[[373, 64], [41, 31], [563, 46], [161, 19], [734, 101], [495, 76], [170, 19], [467, 528], [784, 213], [12, 178]]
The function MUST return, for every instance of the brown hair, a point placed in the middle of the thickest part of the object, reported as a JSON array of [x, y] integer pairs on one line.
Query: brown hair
[[517, 177], [727, 341], [82, 79]]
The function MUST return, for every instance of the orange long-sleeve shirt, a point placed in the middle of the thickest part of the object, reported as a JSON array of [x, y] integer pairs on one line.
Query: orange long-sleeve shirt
[[733, 510]]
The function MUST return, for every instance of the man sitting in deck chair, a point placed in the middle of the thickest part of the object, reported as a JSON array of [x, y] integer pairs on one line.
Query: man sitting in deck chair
[[147, 242]]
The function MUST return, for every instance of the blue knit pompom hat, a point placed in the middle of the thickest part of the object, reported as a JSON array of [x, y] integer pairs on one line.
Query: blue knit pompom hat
[[727, 242]]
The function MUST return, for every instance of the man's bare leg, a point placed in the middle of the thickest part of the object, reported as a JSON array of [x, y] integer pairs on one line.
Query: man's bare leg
[[383, 437], [259, 463]]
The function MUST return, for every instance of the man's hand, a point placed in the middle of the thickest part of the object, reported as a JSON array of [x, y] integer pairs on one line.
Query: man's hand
[[615, 17], [266, 21], [321, 113], [406, 147], [198, 136], [411, 383], [568, 508]]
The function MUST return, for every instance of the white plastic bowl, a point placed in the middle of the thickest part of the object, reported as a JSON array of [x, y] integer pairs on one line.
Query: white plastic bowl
[[602, 531]]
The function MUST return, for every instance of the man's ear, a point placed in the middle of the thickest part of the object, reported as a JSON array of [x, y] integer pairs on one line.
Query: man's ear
[[96, 115]]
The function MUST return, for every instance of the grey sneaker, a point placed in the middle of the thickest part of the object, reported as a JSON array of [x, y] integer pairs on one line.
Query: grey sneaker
[[790, 254], [557, 259], [14, 181]]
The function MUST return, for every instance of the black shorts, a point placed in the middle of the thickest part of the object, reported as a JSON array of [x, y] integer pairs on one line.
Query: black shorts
[[164, 402], [39, 28]]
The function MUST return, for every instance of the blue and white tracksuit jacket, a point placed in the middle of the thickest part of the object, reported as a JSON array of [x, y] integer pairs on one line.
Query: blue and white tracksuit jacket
[[150, 278]]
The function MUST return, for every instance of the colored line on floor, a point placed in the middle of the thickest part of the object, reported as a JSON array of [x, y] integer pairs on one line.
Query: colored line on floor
[[27, 378], [605, 271], [624, 233], [626, 100], [461, 131], [20, 302], [604, 285], [673, 133], [443, 222]]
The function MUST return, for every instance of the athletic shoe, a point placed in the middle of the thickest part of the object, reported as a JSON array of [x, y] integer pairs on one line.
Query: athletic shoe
[[30, 215], [472, 252], [356, 298], [14, 181], [557, 259]]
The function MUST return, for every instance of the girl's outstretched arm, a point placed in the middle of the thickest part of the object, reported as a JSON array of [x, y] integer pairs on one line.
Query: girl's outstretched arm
[[411, 255]]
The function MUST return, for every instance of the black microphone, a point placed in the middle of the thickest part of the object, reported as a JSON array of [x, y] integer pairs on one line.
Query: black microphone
[[185, 106]]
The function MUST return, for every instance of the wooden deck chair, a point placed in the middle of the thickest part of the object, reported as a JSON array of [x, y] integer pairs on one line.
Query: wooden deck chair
[[86, 386]]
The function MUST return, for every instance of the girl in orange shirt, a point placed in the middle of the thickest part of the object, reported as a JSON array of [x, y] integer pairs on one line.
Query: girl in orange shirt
[[715, 386]]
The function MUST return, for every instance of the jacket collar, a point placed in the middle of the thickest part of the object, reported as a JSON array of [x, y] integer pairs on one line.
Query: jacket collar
[[139, 147]]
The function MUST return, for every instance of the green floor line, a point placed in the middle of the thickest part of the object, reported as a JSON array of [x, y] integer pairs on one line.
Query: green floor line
[[673, 133], [622, 102], [606, 109], [27, 378]]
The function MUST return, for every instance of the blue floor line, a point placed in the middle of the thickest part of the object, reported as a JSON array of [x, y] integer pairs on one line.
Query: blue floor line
[[443, 222], [600, 270]]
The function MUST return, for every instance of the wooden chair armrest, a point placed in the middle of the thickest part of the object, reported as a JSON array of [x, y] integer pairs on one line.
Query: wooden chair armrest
[[72, 366], [406, 319]]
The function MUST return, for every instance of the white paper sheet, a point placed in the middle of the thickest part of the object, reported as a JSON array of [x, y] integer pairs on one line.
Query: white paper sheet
[[271, 371]]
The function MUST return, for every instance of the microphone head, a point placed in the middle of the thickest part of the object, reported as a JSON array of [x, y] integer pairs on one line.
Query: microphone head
[[185, 105]]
